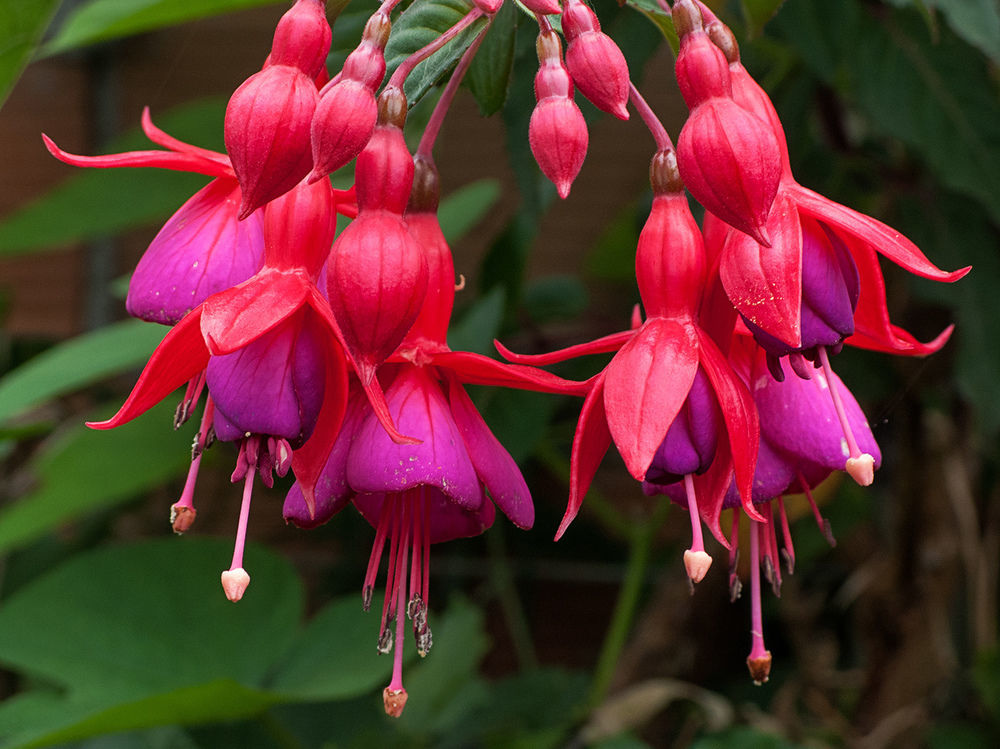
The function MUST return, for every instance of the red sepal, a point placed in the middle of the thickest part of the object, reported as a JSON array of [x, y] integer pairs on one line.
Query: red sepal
[[180, 356], [477, 369], [236, 317], [604, 345], [590, 443]]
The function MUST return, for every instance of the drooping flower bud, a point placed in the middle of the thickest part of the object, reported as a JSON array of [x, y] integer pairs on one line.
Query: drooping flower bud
[[729, 158], [346, 113], [268, 118], [594, 61], [545, 7], [557, 132], [377, 273]]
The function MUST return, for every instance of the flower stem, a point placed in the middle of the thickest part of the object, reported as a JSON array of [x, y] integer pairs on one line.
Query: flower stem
[[640, 544], [406, 67], [656, 129]]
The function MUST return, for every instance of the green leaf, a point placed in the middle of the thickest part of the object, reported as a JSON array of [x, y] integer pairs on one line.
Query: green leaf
[[142, 635], [479, 325], [756, 13], [23, 24], [558, 297], [652, 10], [489, 75], [76, 363], [938, 98], [102, 20], [466, 207], [82, 470], [976, 21], [100, 202], [418, 26], [335, 657]]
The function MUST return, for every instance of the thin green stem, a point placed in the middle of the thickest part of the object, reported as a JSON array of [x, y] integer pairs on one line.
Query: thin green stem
[[640, 545], [510, 601]]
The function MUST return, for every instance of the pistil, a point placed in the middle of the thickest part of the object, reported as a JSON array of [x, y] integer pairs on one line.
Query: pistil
[[696, 559], [759, 660], [860, 466]]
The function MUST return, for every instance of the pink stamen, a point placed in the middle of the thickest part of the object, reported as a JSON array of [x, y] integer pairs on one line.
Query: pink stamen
[[822, 522], [182, 512], [788, 551], [759, 660], [772, 570], [376, 556], [390, 573], [425, 585], [735, 586], [696, 559], [191, 395], [860, 466]]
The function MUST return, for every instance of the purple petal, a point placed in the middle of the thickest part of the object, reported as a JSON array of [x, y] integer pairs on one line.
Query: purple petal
[[448, 520], [201, 250], [494, 465], [419, 409], [689, 446], [332, 491], [274, 385], [798, 418]]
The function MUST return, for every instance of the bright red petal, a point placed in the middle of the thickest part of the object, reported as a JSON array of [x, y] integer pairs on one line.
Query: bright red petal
[[887, 241], [180, 162], [308, 460], [477, 369], [872, 327], [646, 385], [242, 314], [765, 283], [591, 441], [604, 345], [166, 140], [740, 417], [180, 356]]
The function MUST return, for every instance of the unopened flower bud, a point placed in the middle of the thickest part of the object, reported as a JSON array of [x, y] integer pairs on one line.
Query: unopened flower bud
[[557, 132], [545, 7], [302, 38], [594, 61]]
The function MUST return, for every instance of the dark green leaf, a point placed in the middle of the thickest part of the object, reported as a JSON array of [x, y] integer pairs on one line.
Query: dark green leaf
[[142, 635], [335, 657], [479, 325], [417, 27], [101, 20], [76, 363], [489, 75], [22, 24], [83, 470], [976, 21], [652, 10], [756, 13], [99, 202], [554, 298], [938, 98]]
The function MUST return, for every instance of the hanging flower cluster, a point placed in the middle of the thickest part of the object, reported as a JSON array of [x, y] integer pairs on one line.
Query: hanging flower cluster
[[327, 355]]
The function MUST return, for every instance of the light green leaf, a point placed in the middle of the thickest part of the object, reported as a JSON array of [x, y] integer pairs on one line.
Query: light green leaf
[[417, 27], [76, 363], [82, 470], [22, 23], [99, 202], [102, 20], [466, 207], [976, 21]]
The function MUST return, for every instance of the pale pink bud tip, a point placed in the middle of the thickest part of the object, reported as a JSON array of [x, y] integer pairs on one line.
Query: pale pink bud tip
[[182, 517], [394, 701], [235, 583], [697, 563], [760, 667], [861, 469]]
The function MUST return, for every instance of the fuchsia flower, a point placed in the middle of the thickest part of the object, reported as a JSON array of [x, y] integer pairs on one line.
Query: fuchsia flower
[[818, 281], [202, 249], [269, 116], [729, 158], [668, 364], [802, 441], [557, 132], [419, 494]]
